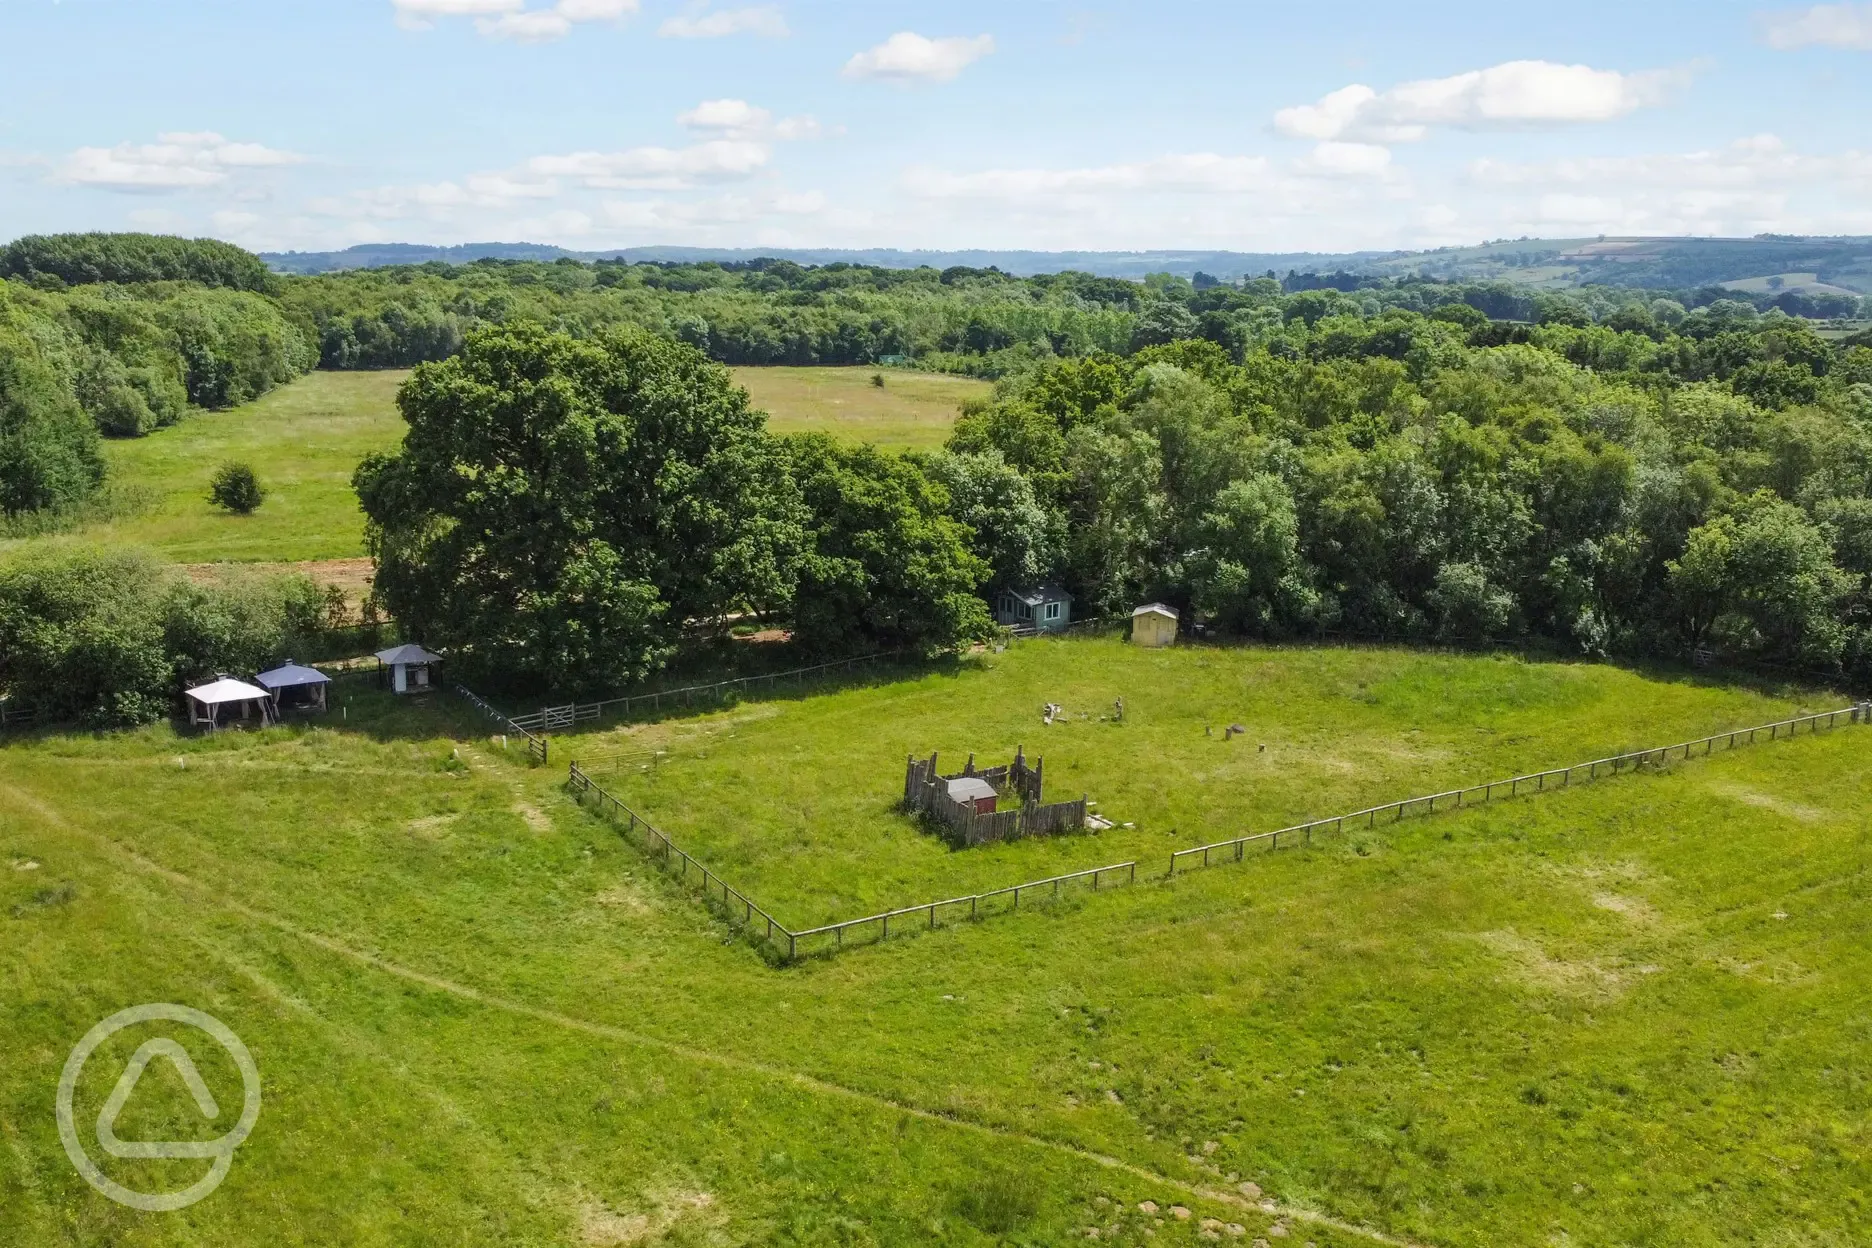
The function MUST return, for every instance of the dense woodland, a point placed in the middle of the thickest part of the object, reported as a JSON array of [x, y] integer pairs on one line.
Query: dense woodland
[[1606, 470]]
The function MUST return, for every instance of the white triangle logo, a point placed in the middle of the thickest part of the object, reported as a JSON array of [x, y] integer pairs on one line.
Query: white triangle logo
[[126, 1085]]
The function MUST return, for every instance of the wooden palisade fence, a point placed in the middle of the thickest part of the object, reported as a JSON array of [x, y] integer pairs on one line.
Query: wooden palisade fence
[[789, 944], [926, 794]]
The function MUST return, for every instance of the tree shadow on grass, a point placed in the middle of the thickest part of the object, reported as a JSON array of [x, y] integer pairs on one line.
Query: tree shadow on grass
[[674, 704]]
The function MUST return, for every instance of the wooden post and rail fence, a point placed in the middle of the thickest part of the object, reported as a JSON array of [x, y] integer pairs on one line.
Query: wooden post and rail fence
[[787, 943], [1538, 781], [761, 924], [537, 748]]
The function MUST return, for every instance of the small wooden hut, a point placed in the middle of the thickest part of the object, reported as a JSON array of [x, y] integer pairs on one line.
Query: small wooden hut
[[973, 792], [1045, 609], [407, 669], [1153, 624]]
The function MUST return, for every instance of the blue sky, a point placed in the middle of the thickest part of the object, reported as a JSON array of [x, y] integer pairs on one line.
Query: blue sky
[[1250, 126]]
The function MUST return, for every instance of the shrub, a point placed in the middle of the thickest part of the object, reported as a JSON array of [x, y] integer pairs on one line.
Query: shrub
[[236, 488], [49, 456], [81, 636], [110, 637]]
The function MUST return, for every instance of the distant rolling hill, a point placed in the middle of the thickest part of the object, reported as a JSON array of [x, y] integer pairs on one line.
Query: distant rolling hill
[[1668, 263], [1132, 264]]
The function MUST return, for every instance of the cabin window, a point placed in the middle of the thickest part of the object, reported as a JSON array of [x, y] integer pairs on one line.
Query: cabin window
[[1052, 610]]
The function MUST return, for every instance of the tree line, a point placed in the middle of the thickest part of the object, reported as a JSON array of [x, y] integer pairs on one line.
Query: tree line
[[565, 508], [128, 332], [1608, 471], [98, 359]]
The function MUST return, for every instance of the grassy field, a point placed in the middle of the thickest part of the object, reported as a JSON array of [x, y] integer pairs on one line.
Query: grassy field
[[303, 440], [795, 801], [911, 410], [1630, 1013]]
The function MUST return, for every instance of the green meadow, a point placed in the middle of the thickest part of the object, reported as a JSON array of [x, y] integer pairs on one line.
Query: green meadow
[[1630, 1012], [910, 411], [304, 440], [795, 801]]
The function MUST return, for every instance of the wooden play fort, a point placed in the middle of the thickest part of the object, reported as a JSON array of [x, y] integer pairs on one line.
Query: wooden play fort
[[967, 807]]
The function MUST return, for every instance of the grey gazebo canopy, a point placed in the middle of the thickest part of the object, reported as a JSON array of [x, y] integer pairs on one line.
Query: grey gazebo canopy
[[408, 666], [296, 685]]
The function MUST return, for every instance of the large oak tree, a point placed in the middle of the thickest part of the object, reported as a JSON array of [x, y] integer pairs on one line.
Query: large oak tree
[[561, 508]]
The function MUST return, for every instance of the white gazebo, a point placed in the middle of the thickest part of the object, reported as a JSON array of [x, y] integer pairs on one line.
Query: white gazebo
[[226, 701], [295, 687], [408, 667]]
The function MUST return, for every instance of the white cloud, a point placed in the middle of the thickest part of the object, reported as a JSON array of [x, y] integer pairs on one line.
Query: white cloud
[[686, 216], [1751, 185], [764, 20], [740, 120], [734, 115], [1830, 25], [657, 168], [1336, 159], [175, 162], [596, 10], [909, 57], [1200, 172], [511, 19], [422, 14], [1517, 93], [1760, 161]]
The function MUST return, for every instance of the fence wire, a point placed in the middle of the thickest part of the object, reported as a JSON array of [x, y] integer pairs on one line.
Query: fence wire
[[1539, 781], [830, 937]]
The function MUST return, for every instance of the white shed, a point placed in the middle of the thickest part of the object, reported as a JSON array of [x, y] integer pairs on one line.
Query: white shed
[[1153, 624], [409, 668], [222, 702], [295, 687]]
